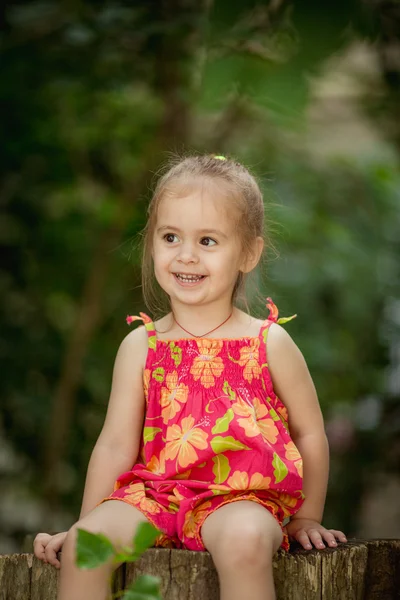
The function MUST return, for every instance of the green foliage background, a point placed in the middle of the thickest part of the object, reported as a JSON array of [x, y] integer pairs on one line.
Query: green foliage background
[[95, 95]]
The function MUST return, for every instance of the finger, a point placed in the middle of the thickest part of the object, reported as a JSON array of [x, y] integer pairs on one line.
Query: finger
[[315, 536], [338, 535], [51, 555], [303, 539], [329, 538], [43, 537], [39, 545], [38, 551]]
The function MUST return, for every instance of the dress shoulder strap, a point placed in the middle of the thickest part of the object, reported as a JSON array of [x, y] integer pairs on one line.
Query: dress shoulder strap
[[149, 326], [272, 318]]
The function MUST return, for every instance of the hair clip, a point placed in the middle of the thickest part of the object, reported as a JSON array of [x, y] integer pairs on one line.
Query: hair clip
[[219, 157]]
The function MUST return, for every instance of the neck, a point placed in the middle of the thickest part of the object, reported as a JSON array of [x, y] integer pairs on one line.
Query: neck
[[198, 319]]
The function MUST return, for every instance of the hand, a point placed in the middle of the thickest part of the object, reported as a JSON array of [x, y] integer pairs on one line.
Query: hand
[[306, 531], [45, 547]]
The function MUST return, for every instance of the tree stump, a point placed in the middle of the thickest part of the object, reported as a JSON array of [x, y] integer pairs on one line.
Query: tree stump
[[358, 570]]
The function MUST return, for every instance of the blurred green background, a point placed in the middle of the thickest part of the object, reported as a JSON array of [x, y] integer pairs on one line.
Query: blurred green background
[[94, 96]]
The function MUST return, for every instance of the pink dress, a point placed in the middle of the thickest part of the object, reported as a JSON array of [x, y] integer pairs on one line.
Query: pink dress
[[214, 432]]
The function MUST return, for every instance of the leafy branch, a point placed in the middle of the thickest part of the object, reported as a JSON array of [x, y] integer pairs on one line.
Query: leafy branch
[[94, 549]]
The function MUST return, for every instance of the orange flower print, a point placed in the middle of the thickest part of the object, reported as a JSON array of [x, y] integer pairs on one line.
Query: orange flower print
[[207, 365], [193, 518], [240, 481], [294, 455], [299, 466], [146, 381], [285, 501], [176, 497], [259, 482], [292, 452], [181, 442], [184, 475], [172, 395], [249, 360], [163, 541], [135, 493], [254, 422], [157, 465]]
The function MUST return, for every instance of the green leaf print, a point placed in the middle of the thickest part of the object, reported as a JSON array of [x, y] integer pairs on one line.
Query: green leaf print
[[283, 320], [220, 492], [222, 424], [158, 374], [149, 433], [281, 469], [273, 413], [176, 354], [220, 444], [152, 342], [228, 390], [221, 468]]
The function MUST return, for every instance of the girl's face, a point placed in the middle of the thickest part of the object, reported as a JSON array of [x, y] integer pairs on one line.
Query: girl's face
[[197, 252]]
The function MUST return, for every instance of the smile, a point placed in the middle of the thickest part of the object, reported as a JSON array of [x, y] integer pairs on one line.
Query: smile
[[188, 278]]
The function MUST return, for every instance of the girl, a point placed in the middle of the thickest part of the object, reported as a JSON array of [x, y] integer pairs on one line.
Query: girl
[[205, 436]]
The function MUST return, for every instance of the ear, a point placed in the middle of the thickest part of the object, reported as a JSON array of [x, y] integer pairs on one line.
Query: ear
[[253, 257]]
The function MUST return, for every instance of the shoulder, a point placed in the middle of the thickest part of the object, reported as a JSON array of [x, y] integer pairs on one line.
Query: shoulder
[[284, 357], [247, 324], [280, 342], [134, 345]]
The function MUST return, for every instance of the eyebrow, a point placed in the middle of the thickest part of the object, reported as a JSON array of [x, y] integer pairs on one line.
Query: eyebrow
[[199, 231]]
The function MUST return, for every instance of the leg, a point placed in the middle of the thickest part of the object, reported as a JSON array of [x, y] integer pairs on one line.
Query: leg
[[242, 538], [118, 521]]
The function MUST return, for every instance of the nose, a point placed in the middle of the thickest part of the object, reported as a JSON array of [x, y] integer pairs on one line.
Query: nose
[[187, 254]]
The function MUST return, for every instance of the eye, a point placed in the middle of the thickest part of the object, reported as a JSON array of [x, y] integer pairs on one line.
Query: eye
[[207, 241], [170, 238]]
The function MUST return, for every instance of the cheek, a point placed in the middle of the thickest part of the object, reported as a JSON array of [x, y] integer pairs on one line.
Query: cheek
[[161, 257]]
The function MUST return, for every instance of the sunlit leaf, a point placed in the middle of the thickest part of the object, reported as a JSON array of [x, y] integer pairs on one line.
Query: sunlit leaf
[[146, 587], [92, 549]]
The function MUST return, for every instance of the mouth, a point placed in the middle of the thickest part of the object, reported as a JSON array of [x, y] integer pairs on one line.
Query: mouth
[[187, 279]]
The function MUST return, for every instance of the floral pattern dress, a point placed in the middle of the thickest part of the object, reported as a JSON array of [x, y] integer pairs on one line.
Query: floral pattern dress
[[214, 432]]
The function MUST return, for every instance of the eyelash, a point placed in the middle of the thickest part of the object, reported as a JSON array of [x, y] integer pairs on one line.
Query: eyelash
[[173, 235]]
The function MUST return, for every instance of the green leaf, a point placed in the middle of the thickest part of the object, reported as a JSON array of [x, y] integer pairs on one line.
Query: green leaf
[[145, 537], [92, 549], [220, 444], [176, 354], [145, 587], [281, 469], [222, 424], [149, 433], [158, 374], [228, 390], [124, 557], [221, 468]]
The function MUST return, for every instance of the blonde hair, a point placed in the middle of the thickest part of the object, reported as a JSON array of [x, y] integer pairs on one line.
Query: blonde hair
[[246, 194]]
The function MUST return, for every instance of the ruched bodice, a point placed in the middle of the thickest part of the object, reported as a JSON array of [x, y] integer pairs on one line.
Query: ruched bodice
[[214, 432]]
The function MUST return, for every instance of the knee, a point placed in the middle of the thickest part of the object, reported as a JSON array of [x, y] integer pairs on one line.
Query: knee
[[245, 546], [69, 548]]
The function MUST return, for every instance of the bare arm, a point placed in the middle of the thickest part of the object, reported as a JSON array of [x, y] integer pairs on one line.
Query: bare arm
[[117, 447], [294, 386]]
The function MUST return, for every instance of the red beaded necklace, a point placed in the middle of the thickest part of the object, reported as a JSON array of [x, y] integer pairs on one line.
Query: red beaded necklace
[[208, 332]]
